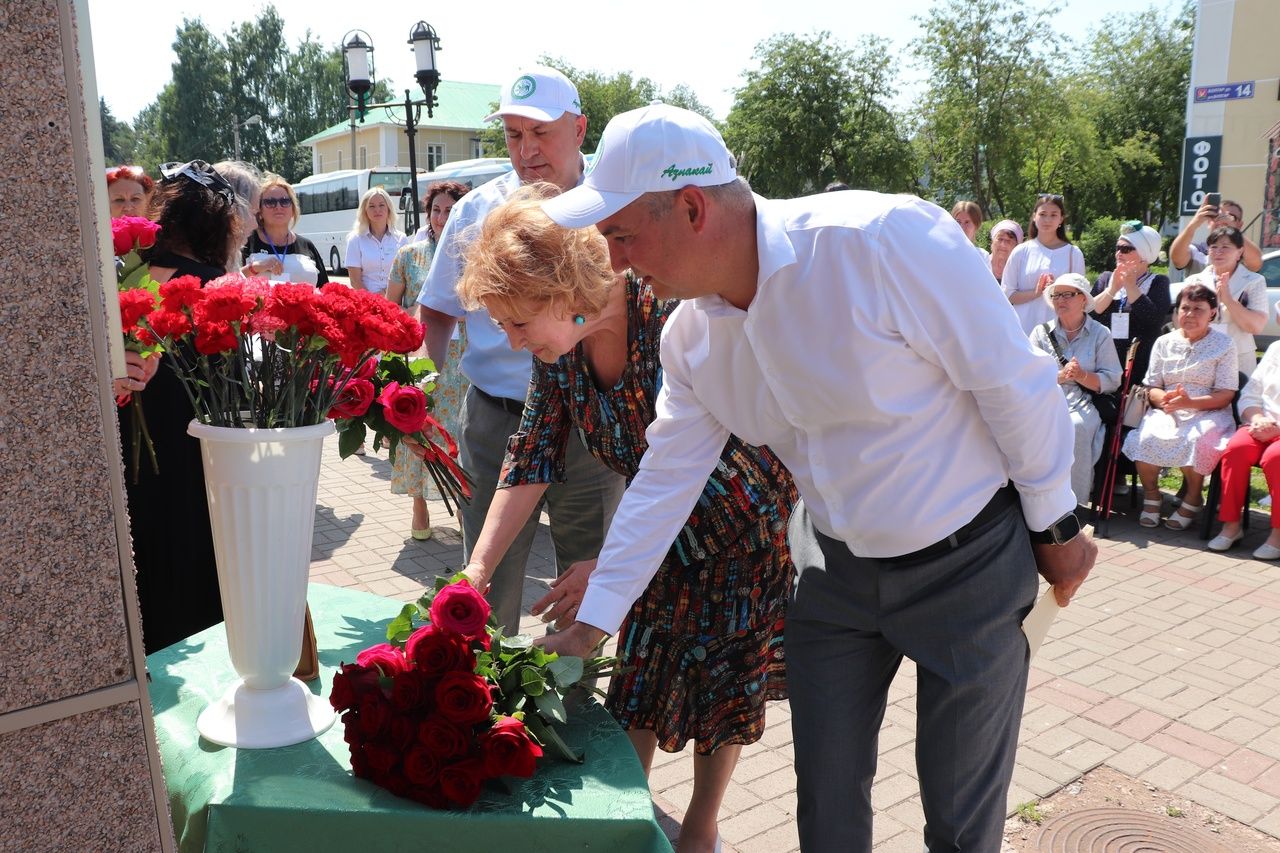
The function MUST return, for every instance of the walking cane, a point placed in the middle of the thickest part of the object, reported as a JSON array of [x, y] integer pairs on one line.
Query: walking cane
[[1103, 522]]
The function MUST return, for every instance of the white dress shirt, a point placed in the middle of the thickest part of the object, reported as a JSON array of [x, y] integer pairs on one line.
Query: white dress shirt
[[1263, 387], [373, 257], [879, 361], [1027, 262]]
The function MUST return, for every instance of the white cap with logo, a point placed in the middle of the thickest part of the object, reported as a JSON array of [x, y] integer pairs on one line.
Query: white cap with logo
[[652, 149], [540, 93]]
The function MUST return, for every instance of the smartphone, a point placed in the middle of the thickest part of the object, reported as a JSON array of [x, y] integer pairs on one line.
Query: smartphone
[[1214, 199]]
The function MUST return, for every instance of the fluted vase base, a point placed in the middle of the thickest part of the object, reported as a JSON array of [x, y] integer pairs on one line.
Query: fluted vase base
[[261, 719]]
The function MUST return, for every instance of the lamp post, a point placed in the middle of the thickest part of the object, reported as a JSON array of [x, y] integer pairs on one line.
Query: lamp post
[[357, 58], [235, 129]]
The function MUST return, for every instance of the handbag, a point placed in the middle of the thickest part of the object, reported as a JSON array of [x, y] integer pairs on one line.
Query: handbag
[[1105, 404], [1136, 405]]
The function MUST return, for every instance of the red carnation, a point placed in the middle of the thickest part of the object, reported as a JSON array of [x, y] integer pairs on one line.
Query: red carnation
[[181, 292], [507, 749], [224, 302], [443, 738], [463, 698], [294, 305], [460, 608], [134, 305], [461, 782], [421, 767], [355, 399], [435, 651], [213, 338], [169, 324], [385, 656]]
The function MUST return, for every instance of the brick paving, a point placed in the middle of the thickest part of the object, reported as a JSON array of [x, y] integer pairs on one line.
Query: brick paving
[[1163, 668]]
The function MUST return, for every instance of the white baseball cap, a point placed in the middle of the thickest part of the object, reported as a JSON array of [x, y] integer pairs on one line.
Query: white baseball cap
[[652, 149], [540, 93]]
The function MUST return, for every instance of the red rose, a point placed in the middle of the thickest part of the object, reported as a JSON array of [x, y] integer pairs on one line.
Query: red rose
[[169, 324], [442, 738], [463, 698], [410, 691], [507, 749], [360, 763], [366, 369], [402, 731], [373, 714], [404, 407], [351, 684], [132, 232], [181, 292], [392, 780], [460, 782], [421, 767], [435, 651], [384, 655], [429, 795], [460, 608], [355, 399], [213, 338], [134, 305], [382, 758]]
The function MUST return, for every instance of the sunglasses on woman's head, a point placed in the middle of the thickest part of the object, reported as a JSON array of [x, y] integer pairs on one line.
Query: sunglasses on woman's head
[[1049, 197]]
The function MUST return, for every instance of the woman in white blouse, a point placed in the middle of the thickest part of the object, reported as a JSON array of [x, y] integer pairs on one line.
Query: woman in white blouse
[[1253, 444], [373, 242], [1242, 295], [1035, 264]]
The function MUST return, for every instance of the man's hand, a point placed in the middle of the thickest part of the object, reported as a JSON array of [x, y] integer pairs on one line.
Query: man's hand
[[1066, 566], [565, 595], [578, 640]]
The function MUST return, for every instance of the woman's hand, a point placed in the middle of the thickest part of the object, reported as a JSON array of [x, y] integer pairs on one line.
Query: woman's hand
[[414, 447], [1125, 275], [1046, 279], [139, 370], [565, 595], [478, 576], [1263, 428], [264, 266], [1175, 399]]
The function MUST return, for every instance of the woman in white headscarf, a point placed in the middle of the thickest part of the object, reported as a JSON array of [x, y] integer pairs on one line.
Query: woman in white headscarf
[[1133, 302]]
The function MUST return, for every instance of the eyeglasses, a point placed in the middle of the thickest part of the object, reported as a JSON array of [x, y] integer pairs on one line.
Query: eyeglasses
[[276, 202], [1056, 297], [1123, 249]]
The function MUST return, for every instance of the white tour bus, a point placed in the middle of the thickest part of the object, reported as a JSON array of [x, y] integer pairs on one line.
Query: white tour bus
[[328, 201]]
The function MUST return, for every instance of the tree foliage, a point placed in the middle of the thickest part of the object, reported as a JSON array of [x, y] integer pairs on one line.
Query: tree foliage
[[117, 137], [814, 112], [218, 83], [603, 96]]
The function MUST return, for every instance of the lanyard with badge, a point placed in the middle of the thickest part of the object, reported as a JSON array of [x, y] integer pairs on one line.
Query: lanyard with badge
[[1120, 318]]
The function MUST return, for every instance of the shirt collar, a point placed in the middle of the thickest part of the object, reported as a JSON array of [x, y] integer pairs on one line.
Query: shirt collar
[[775, 251]]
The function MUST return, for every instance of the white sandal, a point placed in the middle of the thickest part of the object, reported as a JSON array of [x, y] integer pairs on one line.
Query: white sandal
[[1148, 518], [1180, 520]]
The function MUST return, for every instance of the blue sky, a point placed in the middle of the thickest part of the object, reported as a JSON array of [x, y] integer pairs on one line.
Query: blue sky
[[705, 45]]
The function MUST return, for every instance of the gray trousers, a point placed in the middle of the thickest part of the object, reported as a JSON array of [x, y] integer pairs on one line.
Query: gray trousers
[[580, 508], [958, 616]]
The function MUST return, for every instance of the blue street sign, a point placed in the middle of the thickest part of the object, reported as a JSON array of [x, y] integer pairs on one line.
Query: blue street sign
[[1224, 92]]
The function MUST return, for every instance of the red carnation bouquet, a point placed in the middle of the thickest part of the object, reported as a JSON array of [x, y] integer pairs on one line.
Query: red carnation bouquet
[[137, 293], [391, 397], [438, 710]]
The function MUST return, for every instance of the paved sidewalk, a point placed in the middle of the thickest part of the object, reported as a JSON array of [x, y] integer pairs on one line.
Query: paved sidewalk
[[1163, 668]]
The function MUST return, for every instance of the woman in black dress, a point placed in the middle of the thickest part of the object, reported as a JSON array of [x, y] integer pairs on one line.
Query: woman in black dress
[[177, 576]]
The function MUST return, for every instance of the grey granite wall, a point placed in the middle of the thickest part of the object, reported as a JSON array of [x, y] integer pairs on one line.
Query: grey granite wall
[[76, 756]]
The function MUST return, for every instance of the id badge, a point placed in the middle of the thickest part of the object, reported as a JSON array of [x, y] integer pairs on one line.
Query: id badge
[[1119, 326]]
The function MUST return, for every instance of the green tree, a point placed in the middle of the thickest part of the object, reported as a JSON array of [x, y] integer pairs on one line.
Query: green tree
[[117, 137], [816, 111], [603, 96], [990, 71]]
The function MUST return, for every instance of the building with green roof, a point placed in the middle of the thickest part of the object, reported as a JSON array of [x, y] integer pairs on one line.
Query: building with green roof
[[451, 133]]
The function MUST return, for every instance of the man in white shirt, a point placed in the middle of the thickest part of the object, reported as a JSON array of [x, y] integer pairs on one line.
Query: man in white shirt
[[859, 337], [544, 127]]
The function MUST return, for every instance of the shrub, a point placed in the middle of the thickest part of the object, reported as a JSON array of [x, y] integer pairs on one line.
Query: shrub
[[1098, 243]]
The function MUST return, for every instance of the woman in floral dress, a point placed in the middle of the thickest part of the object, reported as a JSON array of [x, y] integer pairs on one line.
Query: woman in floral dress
[[404, 282], [705, 638]]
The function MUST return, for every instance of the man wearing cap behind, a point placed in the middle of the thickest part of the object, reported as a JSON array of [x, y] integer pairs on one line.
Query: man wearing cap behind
[[859, 337], [544, 127]]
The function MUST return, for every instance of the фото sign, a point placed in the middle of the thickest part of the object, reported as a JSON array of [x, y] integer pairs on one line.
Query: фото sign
[[1201, 156]]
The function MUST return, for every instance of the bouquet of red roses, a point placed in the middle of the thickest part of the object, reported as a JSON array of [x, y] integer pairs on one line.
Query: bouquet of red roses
[[391, 396], [137, 293], [437, 711]]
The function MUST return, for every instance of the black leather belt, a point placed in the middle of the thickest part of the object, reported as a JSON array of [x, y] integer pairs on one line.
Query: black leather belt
[[511, 407], [1000, 503]]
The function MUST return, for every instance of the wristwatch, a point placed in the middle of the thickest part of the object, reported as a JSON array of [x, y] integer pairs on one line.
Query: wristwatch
[[1060, 532]]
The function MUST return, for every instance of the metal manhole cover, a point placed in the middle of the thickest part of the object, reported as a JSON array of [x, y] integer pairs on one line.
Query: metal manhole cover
[[1121, 831]]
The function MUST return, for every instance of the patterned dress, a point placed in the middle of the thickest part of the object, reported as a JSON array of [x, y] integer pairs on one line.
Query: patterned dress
[[705, 639], [408, 475], [1191, 437]]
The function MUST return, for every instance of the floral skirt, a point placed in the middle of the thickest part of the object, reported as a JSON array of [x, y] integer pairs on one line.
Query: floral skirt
[[1195, 439], [408, 475], [705, 641]]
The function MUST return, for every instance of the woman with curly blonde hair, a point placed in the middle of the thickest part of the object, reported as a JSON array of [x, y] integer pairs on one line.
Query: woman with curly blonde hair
[[703, 644]]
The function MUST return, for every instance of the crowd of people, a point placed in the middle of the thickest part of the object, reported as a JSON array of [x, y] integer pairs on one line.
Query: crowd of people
[[776, 457]]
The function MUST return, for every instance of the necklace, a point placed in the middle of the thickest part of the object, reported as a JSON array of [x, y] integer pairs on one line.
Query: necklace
[[1071, 333]]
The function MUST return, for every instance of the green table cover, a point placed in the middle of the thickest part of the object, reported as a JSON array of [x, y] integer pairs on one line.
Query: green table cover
[[304, 798]]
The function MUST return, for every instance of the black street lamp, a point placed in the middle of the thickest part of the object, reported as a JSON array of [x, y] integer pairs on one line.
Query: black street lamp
[[357, 59]]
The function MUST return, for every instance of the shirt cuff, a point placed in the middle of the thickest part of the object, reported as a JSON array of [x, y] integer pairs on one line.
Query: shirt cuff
[[603, 609], [1041, 509]]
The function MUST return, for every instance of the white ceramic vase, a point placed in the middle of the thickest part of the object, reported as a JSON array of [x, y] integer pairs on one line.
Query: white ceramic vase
[[261, 485]]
